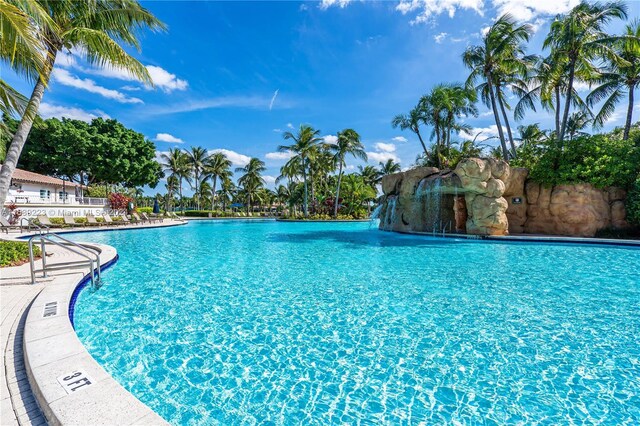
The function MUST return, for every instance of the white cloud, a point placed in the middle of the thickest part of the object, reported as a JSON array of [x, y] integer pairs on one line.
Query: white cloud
[[47, 110], [189, 105], [330, 139], [484, 132], [235, 158], [385, 147], [64, 77], [528, 10], [278, 155], [427, 9], [289, 125], [381, 157], [400, 139], [440, 37], [166, 137], [273, 99], [269, 179], [581, 86], [325, 4], [484, 31]]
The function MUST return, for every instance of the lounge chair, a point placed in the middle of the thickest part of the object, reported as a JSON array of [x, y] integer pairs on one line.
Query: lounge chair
[[147, 218], [6, 226], [108, 220], [125, 219], [44, 221], [138, 218], [91, 220], [70, 221]]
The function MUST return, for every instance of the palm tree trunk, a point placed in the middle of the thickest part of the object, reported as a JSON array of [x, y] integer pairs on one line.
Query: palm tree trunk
[[20, 137], [557, 110], [506, 123], [337, 200], [627, 126], [214, 180], [567, 104], [304, 177], [181, 198], [424, 147], [496, 116]]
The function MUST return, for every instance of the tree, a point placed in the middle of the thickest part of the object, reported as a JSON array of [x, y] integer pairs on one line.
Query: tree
[[91, 28], [348, 143], [389, 167], [357, 192], [489, 62], [251, 180], [177, 163], [619, 77], [305, 142], [370, 175], [197, 157], [412, 121], [217, 166], [579, 36]]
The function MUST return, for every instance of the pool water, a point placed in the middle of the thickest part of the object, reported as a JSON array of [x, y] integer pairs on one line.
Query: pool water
[[226, 322]]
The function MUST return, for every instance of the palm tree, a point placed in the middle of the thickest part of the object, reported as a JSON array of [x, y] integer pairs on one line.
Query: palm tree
[[618, 78], [177, 164], [171, 186], [579, 36], [305, 142], [93, 29], [197, 157], [489, 62], [577, 121], [251, 179], [348, 143], [412, 121], [370, 175], [217, 166], [389, 167], [226, 192]]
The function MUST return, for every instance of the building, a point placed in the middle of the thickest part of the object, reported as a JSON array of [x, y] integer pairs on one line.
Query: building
[[36, 194]]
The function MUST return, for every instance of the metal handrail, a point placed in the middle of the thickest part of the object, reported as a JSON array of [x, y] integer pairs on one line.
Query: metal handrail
[[30, 223], [94, 251], [47, 239]]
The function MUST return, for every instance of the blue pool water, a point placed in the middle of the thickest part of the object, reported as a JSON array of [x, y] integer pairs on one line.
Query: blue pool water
[[288, 323]]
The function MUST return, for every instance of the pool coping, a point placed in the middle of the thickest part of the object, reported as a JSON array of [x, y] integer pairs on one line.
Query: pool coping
[[52, 351], [529, 238]]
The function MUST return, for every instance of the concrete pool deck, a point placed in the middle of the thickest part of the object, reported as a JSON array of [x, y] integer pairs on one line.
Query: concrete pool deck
[[40, 349]]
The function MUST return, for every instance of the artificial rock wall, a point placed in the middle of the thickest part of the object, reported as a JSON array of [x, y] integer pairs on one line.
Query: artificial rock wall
[[486, 197]]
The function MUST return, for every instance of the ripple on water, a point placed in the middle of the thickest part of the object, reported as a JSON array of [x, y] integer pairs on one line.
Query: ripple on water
[[279, 323]]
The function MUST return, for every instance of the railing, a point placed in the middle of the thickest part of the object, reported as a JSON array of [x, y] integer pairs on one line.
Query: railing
[[70, 200], [32, 224], [91, 255], [93, 201]]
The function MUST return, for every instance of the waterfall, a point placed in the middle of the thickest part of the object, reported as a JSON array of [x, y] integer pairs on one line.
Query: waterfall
[[429, 197], [390, 214], [374, 219]]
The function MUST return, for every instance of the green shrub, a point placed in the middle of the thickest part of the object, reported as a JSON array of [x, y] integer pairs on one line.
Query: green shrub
[[601, 160], [632, 204], [56, 220], [15, 253], [147, 210]]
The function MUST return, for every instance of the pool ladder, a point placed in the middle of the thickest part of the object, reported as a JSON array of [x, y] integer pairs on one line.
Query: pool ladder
[[90, 255]]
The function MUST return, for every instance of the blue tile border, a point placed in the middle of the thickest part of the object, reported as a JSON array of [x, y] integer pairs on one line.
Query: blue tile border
[[82, 284]]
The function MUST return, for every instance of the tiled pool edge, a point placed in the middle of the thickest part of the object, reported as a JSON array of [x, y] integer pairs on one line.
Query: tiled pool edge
[[52, 350]]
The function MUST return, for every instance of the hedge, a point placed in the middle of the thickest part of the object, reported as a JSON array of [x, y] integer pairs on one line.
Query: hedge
[[13, 253]]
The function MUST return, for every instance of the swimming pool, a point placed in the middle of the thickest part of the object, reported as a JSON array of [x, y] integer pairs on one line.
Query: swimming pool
[[226, 322]]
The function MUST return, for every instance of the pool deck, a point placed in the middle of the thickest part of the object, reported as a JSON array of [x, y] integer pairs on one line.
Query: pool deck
[[39, 351]]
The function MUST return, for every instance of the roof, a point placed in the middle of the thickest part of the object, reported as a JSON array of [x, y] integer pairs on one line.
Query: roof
[[20, 175]]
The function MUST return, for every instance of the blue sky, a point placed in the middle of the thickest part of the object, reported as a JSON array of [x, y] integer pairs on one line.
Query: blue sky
[[234, 75]]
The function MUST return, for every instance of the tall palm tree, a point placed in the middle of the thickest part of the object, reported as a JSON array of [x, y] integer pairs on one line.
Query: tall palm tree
[[579, 36], [226, 192], [618, 78], [94, 29], [171, 186], [499, 52], [348, 143], [389, 167], [217, 166], [304, 144], [412, 121], [177, 164], [197, 160], [251, 179]]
